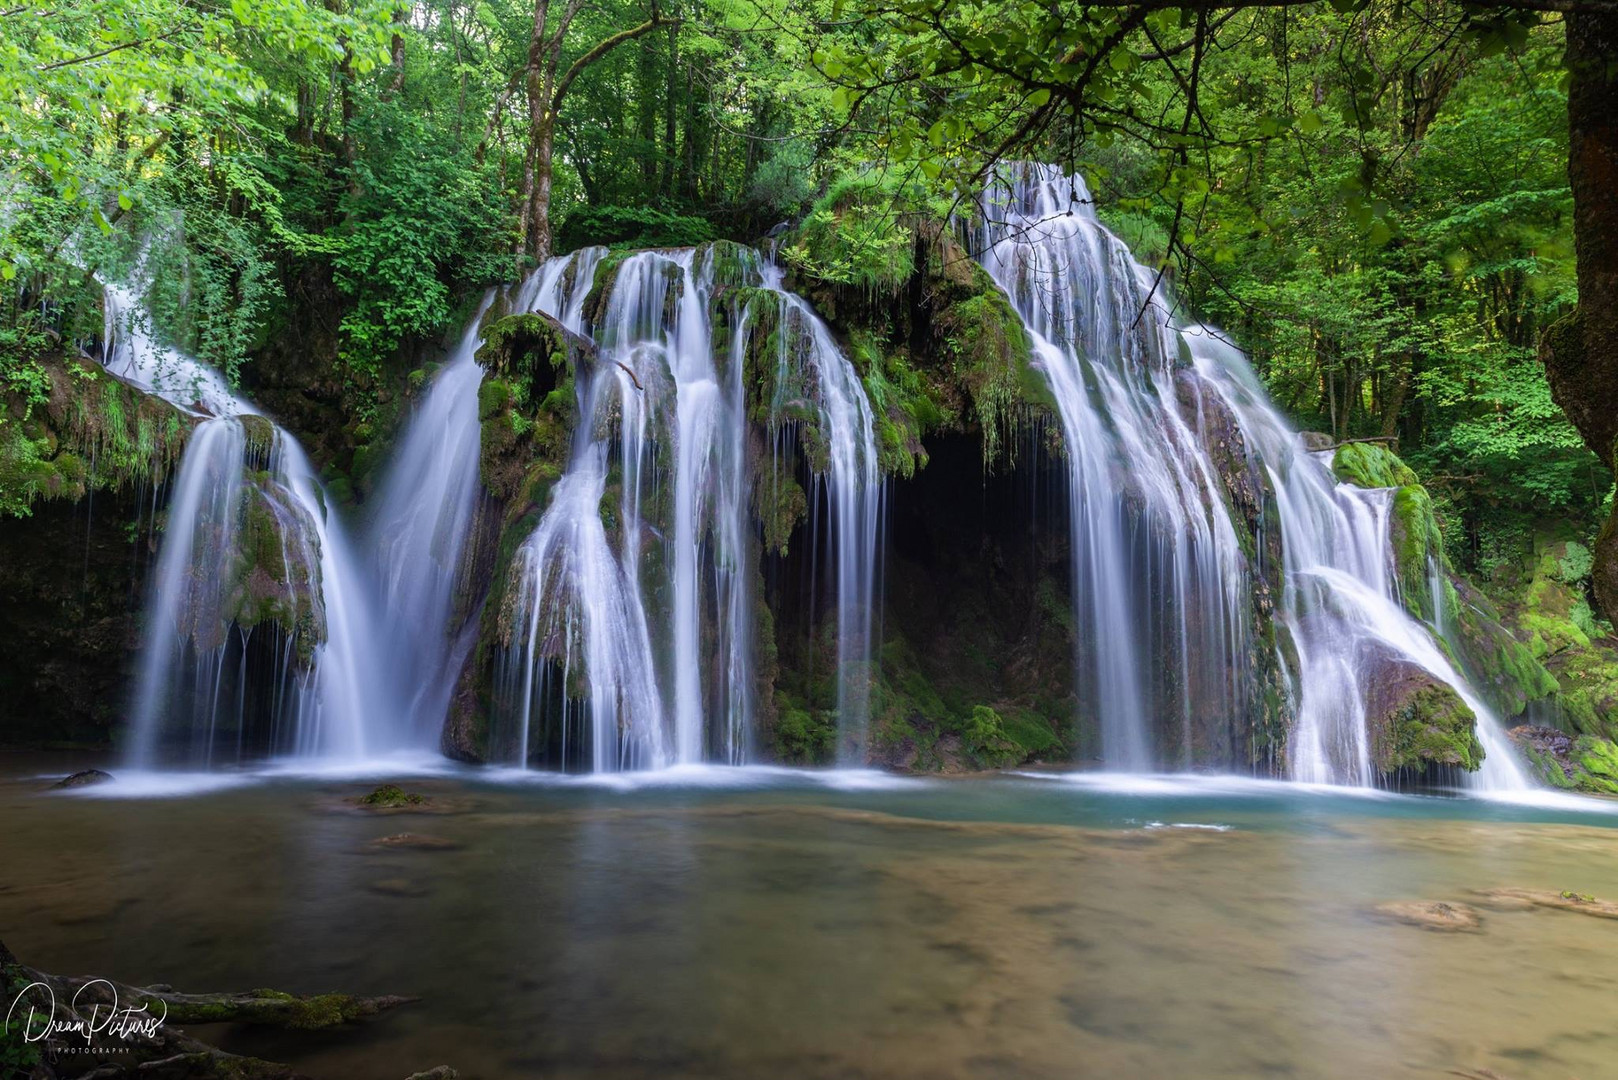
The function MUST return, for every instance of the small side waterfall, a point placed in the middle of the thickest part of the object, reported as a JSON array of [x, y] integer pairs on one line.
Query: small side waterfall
[[854, 495], [419, 533], [1160, 580], [648, 620], [250, 560]]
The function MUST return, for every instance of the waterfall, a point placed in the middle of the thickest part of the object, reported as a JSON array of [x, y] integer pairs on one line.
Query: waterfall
[[250, 560], [649, 622], [1159, 579], [854, 495], [1160, 585]]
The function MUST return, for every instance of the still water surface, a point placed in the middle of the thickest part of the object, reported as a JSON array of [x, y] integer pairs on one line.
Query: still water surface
[[766, 923]]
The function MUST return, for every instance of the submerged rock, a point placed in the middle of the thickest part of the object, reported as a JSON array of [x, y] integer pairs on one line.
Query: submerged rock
[[400, 887], [86, 778], [1439, 915], [414, 842], [1566, 900]]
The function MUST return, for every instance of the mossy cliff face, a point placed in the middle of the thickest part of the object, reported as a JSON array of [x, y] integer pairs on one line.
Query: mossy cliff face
[[977, 659], [91, 433], [937, 343], [527, 411], [1545, 594], [77, 474], [1586, 763]]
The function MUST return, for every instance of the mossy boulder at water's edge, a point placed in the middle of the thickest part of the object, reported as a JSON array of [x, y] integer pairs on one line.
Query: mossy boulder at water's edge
[[1585, 763], [1416, 722]]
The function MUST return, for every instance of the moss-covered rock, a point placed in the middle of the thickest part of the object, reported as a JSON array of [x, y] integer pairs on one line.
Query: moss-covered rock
[[1418, 547], [527, 404], [277, 569], [1553, 609], [1587, 688], [935, 340], [1416, 722], [1586, 763], [1417, 541], [1371, 465], [391, 797], [91, 432]]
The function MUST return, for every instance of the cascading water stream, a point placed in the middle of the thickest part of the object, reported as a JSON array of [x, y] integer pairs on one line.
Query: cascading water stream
[[1153, 539], [212, 589], [854, 494], [666, 662], [420, 531], [1159, 580], [628, 618]]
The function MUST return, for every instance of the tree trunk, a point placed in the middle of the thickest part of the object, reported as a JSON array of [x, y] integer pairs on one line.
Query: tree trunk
[[665, 184], [539, 104], [646, 87], [1580, 351], [539, 204]]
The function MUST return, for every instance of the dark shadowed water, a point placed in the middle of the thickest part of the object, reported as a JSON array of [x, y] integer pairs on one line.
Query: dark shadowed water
[[763, 923]]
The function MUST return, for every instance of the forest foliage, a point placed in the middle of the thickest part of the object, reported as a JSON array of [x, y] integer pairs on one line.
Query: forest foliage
[[1370, 197]]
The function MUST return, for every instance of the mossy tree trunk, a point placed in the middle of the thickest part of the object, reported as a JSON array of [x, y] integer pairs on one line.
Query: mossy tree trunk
[[1580, 352]]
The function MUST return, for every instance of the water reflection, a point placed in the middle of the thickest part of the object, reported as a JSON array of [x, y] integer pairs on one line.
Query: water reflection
[[769, 923]]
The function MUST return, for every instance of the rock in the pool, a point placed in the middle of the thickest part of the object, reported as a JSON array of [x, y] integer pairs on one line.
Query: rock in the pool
[[1440, 915], [83, 779]]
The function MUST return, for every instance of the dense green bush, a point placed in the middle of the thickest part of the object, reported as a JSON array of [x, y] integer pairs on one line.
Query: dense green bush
[[631, 226]]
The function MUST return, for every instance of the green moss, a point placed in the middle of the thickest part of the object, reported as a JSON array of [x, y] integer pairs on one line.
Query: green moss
[[259, 434], [990, 356], [82, 431], [392, 795], [983, 736], [902, 409], [1417, 543], [1597, 758], [801, 735], [1371, 465], [520, 346], [859, 234], [494, 396], [780, 506], [1587, 680], [1432, 727], [1031, 733], [519, 434], [734, 265], [1546, 767], [1584, 763]]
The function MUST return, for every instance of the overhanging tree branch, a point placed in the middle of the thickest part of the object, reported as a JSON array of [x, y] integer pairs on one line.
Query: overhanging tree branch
[[605, 46]]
